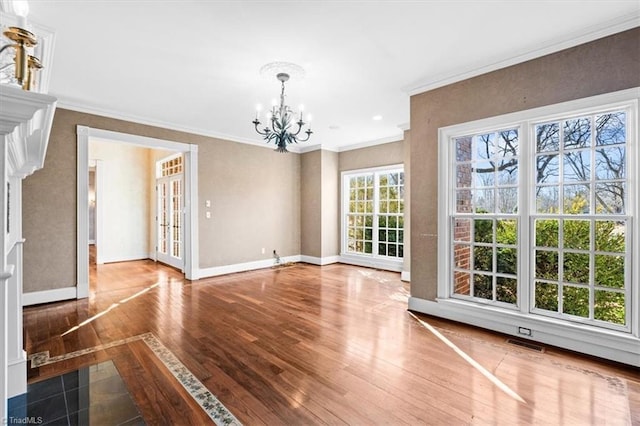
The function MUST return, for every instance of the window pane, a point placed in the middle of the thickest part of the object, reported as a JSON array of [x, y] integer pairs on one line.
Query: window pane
[[508, 143], [462, 283], [577, 166], [483, 258], [507, 200], [547, 137], [576, 199], [610, 236], [609, 271], [610, 198], [483, 201], [507, 262], [610, 307], [576, 268], [368, 247], [547, 264], [546, 296], [547, 199], [507, 290], [577, 133], [577, 234], [464, 175], [484, 174], [575, 301], [483, 231], [611, 128], [547, 168], [482, 286], [610, 163], [485, 145], [546, 232], [508, 172], [382, 249], [462, 256], [463, 201], [506, 231]]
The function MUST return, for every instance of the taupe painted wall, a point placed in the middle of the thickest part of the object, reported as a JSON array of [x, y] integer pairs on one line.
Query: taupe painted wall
[[311, 203], [254, 191], [606, 65], [330, 204], [374, 156]]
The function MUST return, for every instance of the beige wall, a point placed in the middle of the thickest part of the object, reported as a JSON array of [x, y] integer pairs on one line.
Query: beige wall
[[311, 203], [125, 200], [330, 204], [374, 156], [254, 191], [598, 67]]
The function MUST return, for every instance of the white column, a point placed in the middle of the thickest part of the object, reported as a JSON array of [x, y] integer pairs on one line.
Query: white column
[[5, 274]]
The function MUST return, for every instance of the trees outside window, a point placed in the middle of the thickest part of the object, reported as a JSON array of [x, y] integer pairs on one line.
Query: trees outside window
[[539, 219], [374, 213]]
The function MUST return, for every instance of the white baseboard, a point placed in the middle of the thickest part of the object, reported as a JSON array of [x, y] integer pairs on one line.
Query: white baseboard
[[119, 258], [406, 276], [319, 260], [47, 296], [603, 343], [242, 267], [371, 262], [17, 376]]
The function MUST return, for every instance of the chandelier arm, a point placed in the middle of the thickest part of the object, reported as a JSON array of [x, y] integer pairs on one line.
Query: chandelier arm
[[6, 46], [308, 132], [266, 131]]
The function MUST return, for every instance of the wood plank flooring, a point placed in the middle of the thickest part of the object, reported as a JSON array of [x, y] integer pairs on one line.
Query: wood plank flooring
[[319, 345]]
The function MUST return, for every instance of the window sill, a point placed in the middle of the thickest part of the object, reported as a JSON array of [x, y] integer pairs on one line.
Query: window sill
[[372, 262], [600, 342]]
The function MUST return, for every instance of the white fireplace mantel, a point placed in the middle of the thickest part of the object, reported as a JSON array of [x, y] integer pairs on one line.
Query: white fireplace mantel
[[25, 124]]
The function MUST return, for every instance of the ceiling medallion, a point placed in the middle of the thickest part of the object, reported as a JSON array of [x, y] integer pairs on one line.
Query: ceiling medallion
[[281, 128]]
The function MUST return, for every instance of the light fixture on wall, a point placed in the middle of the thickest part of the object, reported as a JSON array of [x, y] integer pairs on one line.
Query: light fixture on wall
[[24, 65], [282, 128]]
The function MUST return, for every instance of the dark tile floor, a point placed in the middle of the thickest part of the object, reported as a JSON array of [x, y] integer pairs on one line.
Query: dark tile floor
[[94, 395]]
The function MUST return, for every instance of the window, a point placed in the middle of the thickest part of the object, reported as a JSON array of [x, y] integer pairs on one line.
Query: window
[[539, 213], [373, 223]]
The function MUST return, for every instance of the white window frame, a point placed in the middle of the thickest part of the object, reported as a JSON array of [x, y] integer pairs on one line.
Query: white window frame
[[363, 259], [619, 345]]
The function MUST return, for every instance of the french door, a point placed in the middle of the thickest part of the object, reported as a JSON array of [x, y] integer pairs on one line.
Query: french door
[[170, 207]]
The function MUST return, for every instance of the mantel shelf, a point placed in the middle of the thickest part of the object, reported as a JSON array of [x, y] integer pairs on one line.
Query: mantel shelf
[[25, 124]]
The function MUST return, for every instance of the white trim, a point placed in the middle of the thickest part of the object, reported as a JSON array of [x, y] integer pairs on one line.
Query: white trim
[[191, 237], [615, 346], [48, 296], [243, 267], [611, 27], [372, 262], [17, 375], [321, 261], [405, 276], [367, 144], [586, 338], [127, 258]]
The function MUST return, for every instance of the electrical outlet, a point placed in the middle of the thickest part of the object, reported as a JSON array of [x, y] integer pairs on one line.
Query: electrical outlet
[[208, 215], [207, 203]]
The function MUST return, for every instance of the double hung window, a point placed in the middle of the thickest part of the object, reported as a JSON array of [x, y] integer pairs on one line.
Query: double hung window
[[540, 213], [373, 205]]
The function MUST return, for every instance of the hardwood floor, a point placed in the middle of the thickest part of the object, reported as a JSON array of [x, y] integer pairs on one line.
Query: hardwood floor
[[319, 345]]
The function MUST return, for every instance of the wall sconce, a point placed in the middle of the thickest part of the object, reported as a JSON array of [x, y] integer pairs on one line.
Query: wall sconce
[[25, 65]]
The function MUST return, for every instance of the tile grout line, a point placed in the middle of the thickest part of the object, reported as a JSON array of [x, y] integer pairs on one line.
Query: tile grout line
[[200, 394]]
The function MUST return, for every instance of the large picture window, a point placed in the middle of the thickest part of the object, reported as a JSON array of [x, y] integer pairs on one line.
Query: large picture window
[[540, 214], [373, 206]]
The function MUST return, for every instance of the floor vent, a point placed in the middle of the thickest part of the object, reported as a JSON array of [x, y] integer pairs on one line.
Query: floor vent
[[527, 345]]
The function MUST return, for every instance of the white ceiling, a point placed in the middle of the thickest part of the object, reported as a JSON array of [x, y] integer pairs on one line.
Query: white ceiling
[[195, 65]]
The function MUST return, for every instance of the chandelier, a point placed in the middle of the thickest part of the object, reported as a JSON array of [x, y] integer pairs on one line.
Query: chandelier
[[281, 125]]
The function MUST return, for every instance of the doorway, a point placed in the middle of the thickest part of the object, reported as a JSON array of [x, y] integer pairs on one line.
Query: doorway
[[188, 190], [169, 211]]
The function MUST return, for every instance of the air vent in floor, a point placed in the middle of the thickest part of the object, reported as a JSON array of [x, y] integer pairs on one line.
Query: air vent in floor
[[527, 345]]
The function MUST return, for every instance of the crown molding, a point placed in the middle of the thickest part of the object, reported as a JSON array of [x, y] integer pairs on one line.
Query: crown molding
[[592, 33], [64, 103], [382, 141]]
